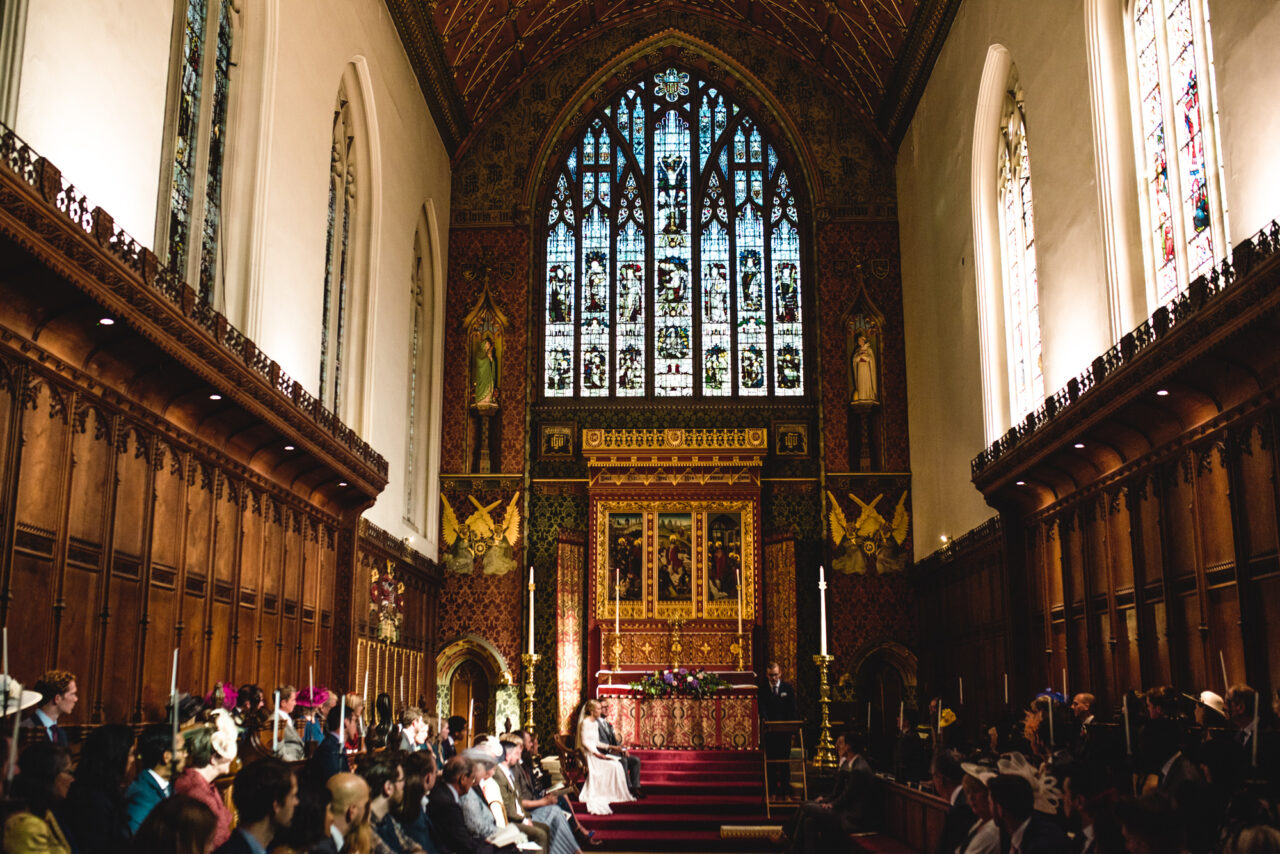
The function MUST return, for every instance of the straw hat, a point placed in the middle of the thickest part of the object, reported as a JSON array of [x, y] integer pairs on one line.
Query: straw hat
[[16, 698]]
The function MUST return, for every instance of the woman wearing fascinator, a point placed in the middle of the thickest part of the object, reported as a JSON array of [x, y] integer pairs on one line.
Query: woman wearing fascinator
[[211, 751]]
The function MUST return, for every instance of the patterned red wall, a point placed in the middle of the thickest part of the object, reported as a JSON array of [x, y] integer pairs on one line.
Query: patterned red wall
[[841, 246], [506, 252]]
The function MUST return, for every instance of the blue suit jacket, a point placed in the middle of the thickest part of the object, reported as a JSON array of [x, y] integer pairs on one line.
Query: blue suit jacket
[[329, 759], [141, 798]]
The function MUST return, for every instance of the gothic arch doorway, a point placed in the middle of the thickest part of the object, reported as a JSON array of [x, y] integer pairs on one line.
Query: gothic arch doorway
[[885, 677], [471, 670], [470, 696]]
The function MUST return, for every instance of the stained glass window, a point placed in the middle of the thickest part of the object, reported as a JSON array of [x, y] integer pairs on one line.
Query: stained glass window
[[342, 188], [673, 253], [193, 228], [1021, 287], [1183, 211]]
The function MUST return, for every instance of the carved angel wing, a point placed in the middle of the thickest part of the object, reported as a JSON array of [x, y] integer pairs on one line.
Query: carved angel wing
[[451, 527], [901, 519], [481, 521], [869, 520], [511, 522], [839, 525]]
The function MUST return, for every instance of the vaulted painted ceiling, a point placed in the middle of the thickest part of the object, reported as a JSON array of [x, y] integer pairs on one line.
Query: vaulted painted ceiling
[[469, 54]]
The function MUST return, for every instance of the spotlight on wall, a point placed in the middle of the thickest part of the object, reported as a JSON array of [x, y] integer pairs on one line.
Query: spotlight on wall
[[342, 483], [106, 321], [944, 539], [215, 396], [1164, 392], [1079, 445], [288, 447], [1020, 483]]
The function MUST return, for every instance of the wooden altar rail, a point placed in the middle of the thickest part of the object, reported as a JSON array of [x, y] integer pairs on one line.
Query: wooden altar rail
[[912, 816]]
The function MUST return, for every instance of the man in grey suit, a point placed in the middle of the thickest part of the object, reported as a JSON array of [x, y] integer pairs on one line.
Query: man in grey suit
[[289, 747], [609, 744]]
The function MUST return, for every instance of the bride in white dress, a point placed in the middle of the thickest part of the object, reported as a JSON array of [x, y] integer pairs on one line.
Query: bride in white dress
[[606, 777]]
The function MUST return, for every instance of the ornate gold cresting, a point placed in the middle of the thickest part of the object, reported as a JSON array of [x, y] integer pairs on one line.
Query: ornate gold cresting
[[676, 646]]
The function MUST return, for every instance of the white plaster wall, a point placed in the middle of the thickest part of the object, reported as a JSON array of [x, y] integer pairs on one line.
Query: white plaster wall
[[1048, 46], [92, 98]]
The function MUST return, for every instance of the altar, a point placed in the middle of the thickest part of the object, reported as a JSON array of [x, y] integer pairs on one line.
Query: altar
[[727, 720]]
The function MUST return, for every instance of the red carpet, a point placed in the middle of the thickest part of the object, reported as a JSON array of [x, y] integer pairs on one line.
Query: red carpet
[[691, 793]]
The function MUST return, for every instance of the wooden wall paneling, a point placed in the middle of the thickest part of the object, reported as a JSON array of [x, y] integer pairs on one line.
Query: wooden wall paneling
[[196, 585], [1147, 546], [226, 574], [161, 590], [142, 630], [249, 595], [122, 646], [1055, 603], [291, 666], [310, 555], [328, 600], [10, 447]]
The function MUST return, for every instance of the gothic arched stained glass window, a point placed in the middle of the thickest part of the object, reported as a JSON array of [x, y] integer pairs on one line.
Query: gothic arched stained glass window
[[673, 260], [1177, 125]]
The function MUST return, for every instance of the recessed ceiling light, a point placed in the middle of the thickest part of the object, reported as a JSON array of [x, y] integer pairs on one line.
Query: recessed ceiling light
[[215, 396], [288, 447], [1079, 445], [342, 483], [106, 321], [1020, 483], [943, 538], [1164, 392]]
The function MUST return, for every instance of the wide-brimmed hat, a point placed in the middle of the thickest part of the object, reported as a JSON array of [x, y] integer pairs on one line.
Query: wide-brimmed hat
[[481, 755], [981, 771], [16, 698], [1210, 700]]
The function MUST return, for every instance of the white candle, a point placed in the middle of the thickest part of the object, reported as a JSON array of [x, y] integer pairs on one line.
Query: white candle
[[961, 680], [471, 717], [617, 603], [275, 725], [402, 698], [902, 713], [6, 661], [13, 745], [531, 610], [1222, 659], [1253, 739], [738, 574], [365, 695], [1128, 747], [868, 717], [822, 610], [173, 678], [1050, 699], [1065, 696], [311, 686], [342, 721], [1006, 688]]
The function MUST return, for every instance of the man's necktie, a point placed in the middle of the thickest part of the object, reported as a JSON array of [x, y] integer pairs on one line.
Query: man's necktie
[[53, 734]]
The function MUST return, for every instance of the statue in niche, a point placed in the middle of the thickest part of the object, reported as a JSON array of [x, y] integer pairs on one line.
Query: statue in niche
[[862, 367], [484, 374]]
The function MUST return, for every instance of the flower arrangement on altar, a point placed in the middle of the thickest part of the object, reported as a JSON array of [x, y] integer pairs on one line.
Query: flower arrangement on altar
[[682, 682], [386, 603]]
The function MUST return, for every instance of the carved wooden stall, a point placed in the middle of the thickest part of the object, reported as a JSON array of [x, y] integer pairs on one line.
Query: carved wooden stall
[[163, 484], [1138, 541]]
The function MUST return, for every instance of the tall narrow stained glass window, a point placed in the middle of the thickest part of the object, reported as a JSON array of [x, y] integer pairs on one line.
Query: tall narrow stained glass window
[[342, 189], [1178, 167], [192, 231], [1021, 286], [673, 252]]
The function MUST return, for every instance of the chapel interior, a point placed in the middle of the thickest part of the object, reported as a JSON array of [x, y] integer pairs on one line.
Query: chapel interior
[[494, 354]]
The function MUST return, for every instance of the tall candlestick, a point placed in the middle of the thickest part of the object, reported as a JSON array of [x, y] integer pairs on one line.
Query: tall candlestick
[[275, 725], [531, 610], [1222, 659], [1128, 746], [1006, 688], [738, 574], [822, 611], [961, 680]]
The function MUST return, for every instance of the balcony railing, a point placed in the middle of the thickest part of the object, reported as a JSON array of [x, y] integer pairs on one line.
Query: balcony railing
[[1203, 291], [46, 179]]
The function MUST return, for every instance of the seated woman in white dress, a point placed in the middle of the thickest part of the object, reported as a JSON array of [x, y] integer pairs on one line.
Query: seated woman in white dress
[[606, 778]]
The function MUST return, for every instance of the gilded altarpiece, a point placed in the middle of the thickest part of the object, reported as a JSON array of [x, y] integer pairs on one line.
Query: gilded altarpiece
[[674, 546]]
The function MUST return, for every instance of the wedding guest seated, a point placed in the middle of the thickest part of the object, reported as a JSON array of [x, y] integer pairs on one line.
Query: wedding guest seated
[[419, 777], [482, 807], [41, 789], [211, 748], [1150, 825], [331, 756], [58, 696], [384, 772], [156, 763], [504, 781], [250, 709], [448, 823], [355, 703], [347, 815], [317, 701], [983, 836], [265, 795], [178, 825], [289, 745], [412, 731], [823, 825], [1089, 801], [1027, 830], [541, 809], [948, 777], [95, 802]]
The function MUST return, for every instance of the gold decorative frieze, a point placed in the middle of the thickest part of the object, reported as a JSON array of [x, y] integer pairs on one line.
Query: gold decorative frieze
[[646, 648], [597, 441]]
